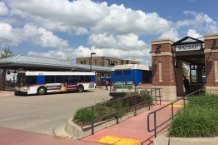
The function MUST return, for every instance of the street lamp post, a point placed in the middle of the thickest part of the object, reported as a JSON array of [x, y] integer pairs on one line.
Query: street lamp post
[[93, 53]]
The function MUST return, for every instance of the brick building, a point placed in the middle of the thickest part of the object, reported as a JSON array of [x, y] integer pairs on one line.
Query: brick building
[[104, 61], [167, 65]]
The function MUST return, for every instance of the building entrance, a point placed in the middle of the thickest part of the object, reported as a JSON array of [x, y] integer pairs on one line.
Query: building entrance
[[189, 65]]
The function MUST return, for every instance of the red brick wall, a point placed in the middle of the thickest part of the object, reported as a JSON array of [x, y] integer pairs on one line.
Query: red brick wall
[[210, 57], [210, 69], [166, 47], [168, 73]]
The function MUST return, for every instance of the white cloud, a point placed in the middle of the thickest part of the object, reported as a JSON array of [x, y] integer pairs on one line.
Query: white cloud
[[40, 36], [142, 55], [43, 37], [77, 13], [200, 21], [8, 35], [171, 34], [83, 15], [193, 33], [3, 9], [124, 42], [123, 20]]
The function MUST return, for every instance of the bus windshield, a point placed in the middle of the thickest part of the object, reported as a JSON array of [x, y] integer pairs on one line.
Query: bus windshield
[[21, 80]]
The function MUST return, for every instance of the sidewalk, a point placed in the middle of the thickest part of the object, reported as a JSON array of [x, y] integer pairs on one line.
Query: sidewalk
[[133, 129], [17, 137], [6, 93]]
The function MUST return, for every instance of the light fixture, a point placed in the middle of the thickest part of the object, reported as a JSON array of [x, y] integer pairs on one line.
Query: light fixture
[[214, 44], [158, 48], [92, 53]]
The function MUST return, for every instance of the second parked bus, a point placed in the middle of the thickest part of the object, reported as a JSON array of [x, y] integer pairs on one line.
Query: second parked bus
[[43, 82]]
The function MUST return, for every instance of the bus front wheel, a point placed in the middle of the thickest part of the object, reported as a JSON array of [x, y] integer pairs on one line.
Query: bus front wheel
[[41, 91], [80, 88]]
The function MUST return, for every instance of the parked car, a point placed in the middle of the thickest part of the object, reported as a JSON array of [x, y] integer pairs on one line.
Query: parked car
[[121, 89]]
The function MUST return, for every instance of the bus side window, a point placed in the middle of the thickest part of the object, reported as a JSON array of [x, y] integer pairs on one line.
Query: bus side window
[[50, 79], [31, 80], [80, 79], [87, 78], [59, 79], [71, 79]]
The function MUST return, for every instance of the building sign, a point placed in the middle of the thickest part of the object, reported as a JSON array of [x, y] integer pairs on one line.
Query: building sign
[[188, 47]]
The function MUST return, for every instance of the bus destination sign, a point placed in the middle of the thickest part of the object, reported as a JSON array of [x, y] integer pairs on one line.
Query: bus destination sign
[[188, 47]]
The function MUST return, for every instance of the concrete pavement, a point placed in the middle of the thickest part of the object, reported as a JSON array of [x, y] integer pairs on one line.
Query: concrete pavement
[[42, 114]]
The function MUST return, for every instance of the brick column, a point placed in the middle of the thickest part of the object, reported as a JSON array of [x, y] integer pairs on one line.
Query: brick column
[[2, 80], [163, 74], [211, 61], [179, 79]]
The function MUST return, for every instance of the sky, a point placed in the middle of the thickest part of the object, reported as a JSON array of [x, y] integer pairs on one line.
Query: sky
[[66, 29]]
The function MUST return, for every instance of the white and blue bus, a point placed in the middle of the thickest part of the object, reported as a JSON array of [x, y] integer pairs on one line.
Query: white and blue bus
[[43, 82]]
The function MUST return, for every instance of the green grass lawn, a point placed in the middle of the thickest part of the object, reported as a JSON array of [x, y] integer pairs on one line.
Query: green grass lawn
[[198, 119]]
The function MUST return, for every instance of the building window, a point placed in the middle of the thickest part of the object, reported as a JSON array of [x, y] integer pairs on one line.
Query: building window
[[84, 62], [81, 62], [102, 63], [95, 62]]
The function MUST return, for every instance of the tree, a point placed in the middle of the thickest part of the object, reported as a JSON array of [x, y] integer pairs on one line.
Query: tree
[[6, 53]]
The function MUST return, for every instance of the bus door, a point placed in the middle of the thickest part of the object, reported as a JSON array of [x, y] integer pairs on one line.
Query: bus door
[[71, 83]]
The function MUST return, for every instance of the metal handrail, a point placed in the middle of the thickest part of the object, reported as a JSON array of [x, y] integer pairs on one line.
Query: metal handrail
[[116, 116], [173, 114], [155, 117], [133, 107], [155, 129]]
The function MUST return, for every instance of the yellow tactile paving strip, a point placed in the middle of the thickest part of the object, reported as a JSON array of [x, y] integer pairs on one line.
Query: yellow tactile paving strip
[[112, 140]]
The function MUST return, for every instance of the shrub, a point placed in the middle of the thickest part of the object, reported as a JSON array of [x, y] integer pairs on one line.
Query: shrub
[[198, 119], [108, 109], [103, 110], [120, 108], [146, 97], [85, 116]]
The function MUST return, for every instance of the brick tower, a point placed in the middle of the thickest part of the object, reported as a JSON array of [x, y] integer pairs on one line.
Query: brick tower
[[211, 61], [163, 74]]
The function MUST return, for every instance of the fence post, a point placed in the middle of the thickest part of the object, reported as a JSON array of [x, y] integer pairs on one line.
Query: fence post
[[155, 125], [117, 119], [135, 105], [184, 101], [93, 120], [172, 111]]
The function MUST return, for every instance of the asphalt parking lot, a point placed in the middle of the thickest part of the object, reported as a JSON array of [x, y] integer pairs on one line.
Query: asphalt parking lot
[[42, 114]]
